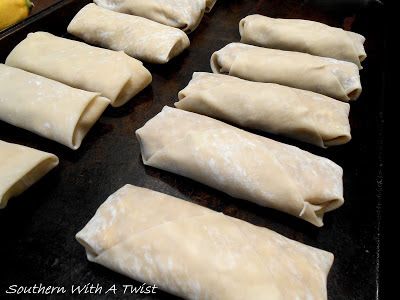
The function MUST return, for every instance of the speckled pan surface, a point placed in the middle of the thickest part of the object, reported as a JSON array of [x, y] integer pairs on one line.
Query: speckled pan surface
[[38, 228]]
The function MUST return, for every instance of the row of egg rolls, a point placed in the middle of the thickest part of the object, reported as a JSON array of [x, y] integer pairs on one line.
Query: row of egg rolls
[[135, 232]]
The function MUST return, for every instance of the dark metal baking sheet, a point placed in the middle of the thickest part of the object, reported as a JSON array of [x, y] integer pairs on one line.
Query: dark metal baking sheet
[[37, 229]]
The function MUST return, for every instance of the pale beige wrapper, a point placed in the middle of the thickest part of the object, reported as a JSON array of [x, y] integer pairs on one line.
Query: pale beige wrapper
[[328, 76], [196, 253], [244, 165], [115, 75], [183, 14], [303, 36], [299, 114], [48, 108], [21, 167], [138, 37]]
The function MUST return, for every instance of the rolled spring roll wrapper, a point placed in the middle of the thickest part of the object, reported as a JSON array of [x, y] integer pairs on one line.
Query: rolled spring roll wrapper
[[182, 14], [138, 37], [270, 107], [197, 253], [242, 164], [21, 167], [303, 36], [115, 75], [328, 76], [48, 108]]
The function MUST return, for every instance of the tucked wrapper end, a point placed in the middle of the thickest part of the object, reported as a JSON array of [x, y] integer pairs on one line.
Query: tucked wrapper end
[[88, 117], [48, 108], [327, 76], [21, 167], [136, 232], [241, 164], [300, 114], [304, 36], [183, 14], [138, 37], [115, 75]]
